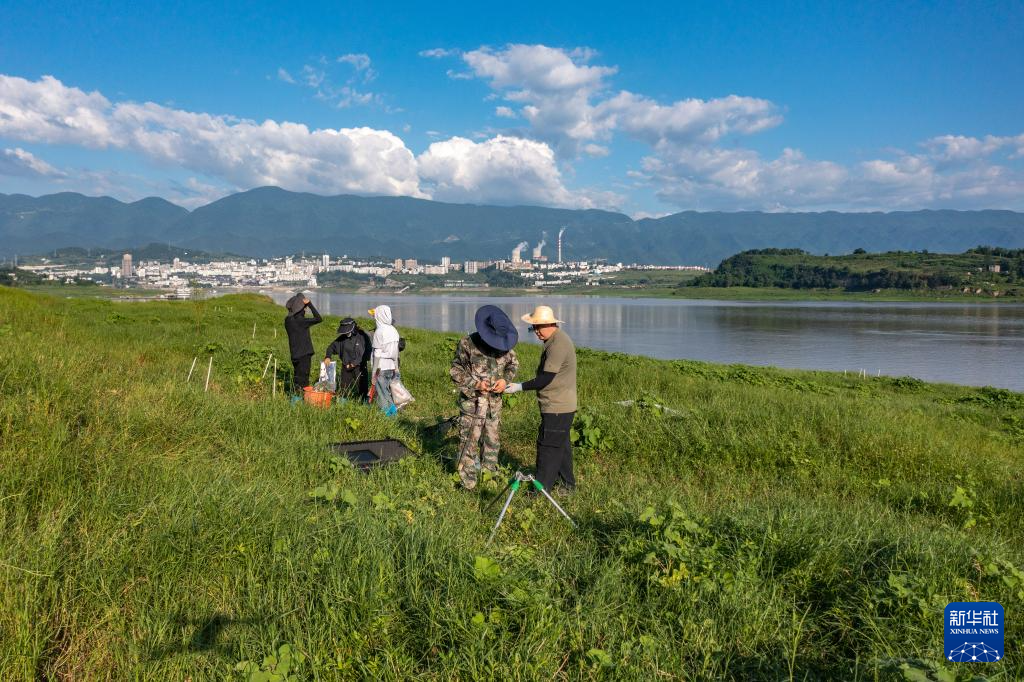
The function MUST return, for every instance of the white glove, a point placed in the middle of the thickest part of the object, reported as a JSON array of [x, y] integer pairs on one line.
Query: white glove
[[513, 388]]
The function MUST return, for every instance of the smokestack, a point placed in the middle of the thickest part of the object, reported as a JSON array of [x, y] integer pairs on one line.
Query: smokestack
[[517, 253], [560, 233]]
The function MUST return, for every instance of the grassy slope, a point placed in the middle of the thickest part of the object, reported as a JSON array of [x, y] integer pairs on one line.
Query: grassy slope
[[801, 523], [74, 291]]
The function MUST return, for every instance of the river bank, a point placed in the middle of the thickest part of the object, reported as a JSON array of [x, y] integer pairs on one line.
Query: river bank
[[753, 294], [767, 524]]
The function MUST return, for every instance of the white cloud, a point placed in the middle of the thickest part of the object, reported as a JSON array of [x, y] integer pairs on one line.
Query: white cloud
[[17, 161], [729, 179], [567, 103], [47, 111], [554, 86], [538, 68], [710, 177], [690, 120], [956, 148], [195, 193], [505, 112], [241, 152], [506, 170], [437, 53], [320, 79], [688, 165], [361, 63], [312, 76], [641, 215]]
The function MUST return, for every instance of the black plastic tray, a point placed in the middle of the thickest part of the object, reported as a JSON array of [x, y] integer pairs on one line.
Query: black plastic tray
[[370, 454]]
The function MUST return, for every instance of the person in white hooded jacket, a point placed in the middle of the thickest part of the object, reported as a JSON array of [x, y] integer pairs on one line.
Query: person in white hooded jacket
[[385, 357]]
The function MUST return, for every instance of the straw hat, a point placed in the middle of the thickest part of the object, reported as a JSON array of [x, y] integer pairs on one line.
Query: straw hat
[[542, 314]]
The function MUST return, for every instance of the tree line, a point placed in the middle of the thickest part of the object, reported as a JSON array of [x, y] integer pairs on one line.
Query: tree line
[[797, 269]]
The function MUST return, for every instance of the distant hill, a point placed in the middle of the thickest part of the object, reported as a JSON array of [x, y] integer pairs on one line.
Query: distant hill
[[270, 221], [112, 256], [34, 225], [982, 269]]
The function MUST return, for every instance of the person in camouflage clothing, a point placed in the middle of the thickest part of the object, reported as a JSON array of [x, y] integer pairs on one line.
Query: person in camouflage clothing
[[484, 364]]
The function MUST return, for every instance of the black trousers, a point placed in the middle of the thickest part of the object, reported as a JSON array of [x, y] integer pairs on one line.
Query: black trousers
[[301, 377], [554, 450], [354, 383]]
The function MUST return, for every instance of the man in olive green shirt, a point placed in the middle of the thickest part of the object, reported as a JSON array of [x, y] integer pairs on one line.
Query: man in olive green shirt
[[555, 384]]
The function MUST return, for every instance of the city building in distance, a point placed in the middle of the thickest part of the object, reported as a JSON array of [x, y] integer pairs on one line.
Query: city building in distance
[[291, 272]]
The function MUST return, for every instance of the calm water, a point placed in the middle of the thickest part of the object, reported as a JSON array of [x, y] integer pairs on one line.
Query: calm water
[[958, 343]]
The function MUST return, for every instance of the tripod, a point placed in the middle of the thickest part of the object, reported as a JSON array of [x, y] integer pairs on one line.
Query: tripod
[[513, 485]]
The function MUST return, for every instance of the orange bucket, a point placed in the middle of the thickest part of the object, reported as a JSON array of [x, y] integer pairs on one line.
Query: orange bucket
[[321, 399]]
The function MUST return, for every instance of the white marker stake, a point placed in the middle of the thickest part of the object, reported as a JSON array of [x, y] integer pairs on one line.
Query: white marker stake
[[191, 369], [209, 368], [254, 330], [275, 378], [266, 367]]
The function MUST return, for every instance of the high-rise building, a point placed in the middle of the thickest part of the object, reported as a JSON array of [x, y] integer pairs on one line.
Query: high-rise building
[[411, 264], [470, 267], [176, 264], [398, 264], [325, 260], [446, 263], [126, 265]]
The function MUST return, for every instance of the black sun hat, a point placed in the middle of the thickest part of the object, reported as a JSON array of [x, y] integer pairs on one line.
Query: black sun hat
[[495, 328], [347, 326], [296, 303]]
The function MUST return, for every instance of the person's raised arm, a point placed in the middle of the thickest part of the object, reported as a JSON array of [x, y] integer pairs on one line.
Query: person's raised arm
[[316, 319]]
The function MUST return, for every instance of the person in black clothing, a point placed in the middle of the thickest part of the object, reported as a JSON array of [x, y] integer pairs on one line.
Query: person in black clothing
[[353, 350], [299, 342]]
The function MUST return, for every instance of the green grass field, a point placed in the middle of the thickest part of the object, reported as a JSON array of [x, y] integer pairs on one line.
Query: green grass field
[[77, 291], [767, 524]]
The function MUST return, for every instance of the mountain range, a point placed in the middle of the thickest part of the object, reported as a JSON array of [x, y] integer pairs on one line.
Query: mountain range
[[270, 221]]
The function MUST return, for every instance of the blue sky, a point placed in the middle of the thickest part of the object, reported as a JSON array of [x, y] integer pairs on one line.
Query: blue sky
[[641, 107]]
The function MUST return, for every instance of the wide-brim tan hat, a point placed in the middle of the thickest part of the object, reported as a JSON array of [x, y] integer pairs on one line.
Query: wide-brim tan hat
[[542, 314]]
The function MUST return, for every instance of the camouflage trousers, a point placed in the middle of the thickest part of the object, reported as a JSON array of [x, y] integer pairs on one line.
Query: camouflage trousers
[[479, 437]]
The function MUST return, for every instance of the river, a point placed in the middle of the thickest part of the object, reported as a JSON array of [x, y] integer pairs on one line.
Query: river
[[961, 343]]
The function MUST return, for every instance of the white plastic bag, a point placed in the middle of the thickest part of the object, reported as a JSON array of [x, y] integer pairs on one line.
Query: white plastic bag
[[399, 393], [328, 377]]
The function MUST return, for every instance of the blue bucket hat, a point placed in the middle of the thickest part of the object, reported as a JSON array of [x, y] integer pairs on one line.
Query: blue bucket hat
[[495, 328]]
